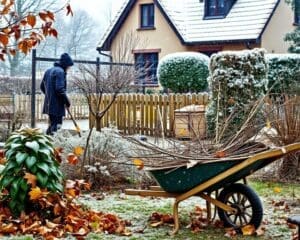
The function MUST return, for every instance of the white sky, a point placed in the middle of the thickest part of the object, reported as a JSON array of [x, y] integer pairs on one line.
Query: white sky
[[98, 9]]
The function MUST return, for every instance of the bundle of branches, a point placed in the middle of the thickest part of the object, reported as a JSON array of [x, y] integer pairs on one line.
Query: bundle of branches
[[283, 113], [239, 145]]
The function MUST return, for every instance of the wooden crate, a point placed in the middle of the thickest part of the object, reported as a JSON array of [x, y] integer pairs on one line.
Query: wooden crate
[[190, 122]]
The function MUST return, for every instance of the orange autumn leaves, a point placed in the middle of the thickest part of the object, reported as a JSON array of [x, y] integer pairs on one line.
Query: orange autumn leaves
[[199, 222], [72, 158], [24, 33], [2, 157], [138, 163], [63, 217], [36, 193]]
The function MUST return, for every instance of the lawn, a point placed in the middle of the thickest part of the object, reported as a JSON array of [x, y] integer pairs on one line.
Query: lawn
[[279, 200]]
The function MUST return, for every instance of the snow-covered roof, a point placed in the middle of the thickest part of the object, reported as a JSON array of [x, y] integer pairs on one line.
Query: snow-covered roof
[[246, 21]]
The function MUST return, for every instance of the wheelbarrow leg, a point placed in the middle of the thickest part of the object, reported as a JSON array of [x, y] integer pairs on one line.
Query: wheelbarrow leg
[[208, 210], [176, 217]]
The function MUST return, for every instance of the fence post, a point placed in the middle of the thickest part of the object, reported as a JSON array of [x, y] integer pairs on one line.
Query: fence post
[[33, 86], [97, 75]]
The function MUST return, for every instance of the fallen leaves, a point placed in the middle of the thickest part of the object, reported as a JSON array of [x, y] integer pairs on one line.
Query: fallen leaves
[[280, 205], [58, 154], [54, 216], [78, 151], [199, 219], [72, 159], [199, 222], [248, 230], [31, 179], [138, 163], [277, 190], [230, 232], [36, 193], [157, 219], [2, 157]]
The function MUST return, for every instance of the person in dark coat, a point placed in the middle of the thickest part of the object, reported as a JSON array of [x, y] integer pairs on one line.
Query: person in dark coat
[[54, 86]]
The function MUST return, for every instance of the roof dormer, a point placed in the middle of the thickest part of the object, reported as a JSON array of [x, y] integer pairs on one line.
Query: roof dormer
[[217, 8]]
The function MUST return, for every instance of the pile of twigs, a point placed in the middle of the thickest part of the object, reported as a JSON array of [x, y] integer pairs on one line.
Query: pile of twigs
[[240, 145], [189, 154]]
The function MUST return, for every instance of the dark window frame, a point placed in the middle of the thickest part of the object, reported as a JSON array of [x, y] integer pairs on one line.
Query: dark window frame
[[147, 16], [148, 61], [221, 8]]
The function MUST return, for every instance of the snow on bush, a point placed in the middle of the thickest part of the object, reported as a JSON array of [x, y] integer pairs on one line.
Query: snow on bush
[[106, 155], [237, 78], [284, 73], [184, 72]]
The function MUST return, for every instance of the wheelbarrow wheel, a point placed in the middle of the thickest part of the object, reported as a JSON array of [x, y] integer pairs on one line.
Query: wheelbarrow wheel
[[248, 205]]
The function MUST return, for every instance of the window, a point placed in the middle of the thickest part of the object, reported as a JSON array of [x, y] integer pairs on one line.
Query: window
[[146, 65], [297, 12], [147, 16], [217, 8]]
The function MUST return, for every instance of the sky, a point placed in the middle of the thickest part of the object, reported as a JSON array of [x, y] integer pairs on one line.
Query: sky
[[98, 9]]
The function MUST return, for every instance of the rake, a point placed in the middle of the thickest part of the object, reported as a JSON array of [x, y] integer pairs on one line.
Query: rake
[[74, 122]]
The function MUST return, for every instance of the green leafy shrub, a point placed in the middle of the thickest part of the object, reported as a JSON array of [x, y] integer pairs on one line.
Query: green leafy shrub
[[237, 79], [284, 73], [184, 72], [28, 153]]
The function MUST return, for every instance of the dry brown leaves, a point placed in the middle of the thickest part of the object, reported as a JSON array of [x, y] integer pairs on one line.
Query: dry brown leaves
[[158, 219], [199, 222], [280, 205], [2, 157], [55, 215], [199, 219]]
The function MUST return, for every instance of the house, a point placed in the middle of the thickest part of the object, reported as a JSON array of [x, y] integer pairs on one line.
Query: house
[[205, 26]]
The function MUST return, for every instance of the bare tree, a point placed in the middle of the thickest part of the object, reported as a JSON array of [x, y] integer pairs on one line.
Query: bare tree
[[80, 39], [113, 80], [78, 42]]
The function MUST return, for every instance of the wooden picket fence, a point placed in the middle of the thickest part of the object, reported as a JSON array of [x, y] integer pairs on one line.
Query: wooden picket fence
[[79, 107], [151, 115]]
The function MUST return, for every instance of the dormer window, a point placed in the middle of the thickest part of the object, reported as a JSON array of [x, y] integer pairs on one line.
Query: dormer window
[[147, 16], [217, 8]]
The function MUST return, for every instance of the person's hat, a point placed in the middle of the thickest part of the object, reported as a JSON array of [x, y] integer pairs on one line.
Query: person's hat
[[65, 60]]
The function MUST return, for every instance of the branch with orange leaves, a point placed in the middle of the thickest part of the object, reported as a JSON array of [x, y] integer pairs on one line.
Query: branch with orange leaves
[[26, 32]]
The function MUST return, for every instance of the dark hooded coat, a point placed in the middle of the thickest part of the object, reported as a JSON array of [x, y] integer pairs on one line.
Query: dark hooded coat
[[54, 86]]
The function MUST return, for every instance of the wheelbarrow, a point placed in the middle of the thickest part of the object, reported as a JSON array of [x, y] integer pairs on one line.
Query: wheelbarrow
[[237, 204]]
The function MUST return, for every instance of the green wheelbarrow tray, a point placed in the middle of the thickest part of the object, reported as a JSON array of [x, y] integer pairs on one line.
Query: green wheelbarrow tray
[[182, 179], [200, 180]]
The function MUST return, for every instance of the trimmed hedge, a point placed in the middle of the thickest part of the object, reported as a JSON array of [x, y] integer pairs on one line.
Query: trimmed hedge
[[184, 72], [284, 73], [237, 79]]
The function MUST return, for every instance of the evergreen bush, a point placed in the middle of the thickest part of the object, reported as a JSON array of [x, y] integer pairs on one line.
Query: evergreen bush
[[284, 73], [184, 72], [31, 163], [237, 79]]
